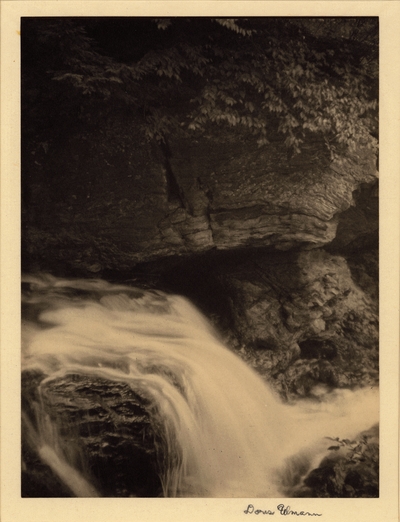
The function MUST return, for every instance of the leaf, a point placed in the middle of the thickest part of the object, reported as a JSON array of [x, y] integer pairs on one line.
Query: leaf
[[263, 69], [163, 23]]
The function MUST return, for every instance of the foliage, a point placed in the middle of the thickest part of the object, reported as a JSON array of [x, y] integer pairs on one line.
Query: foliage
[[293, 78], [351, 471], [75, 247]]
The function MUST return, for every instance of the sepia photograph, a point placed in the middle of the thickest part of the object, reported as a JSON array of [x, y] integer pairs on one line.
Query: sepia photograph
[[200, 261]]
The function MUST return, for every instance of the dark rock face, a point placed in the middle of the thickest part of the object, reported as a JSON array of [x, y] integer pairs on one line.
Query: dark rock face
[[350, 471], [259, 197], [219, 191], [359, 225], [300, 318], [102, 427], [322, 319]]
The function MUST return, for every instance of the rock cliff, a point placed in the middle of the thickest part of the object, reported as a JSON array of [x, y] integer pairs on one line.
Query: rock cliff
[[219, 191]]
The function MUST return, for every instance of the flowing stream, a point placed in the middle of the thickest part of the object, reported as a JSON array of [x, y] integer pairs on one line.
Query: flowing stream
[[225, 432]]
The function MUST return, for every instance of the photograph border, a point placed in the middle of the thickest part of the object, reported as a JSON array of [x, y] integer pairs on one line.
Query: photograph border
[[17, 509]]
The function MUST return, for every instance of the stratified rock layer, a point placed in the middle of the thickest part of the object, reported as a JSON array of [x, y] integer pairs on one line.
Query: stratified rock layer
[[219, 191]]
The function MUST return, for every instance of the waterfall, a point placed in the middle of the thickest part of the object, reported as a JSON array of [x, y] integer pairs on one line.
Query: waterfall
[[224, 431]]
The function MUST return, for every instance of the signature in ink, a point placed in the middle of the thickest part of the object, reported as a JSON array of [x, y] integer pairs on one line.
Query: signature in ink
[[282, 509]]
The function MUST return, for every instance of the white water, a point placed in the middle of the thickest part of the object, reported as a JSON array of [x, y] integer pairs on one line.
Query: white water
[[226, 433]]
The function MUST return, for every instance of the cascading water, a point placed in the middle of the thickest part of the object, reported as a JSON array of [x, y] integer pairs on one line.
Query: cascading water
[[224, 432]]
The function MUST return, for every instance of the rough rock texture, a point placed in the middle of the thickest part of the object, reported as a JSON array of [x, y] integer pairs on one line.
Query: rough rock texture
[[301, 318], [101, 426], [308, 319], [350, 471], [217, 192], [358, 226], [259, 197]]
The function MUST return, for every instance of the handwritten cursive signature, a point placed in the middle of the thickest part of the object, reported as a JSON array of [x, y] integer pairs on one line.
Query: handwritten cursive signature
[[282, 509]]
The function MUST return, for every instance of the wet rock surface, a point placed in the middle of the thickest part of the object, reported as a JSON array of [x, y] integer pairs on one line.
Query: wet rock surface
[[351, 470], [103, 428], [299, 318]]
